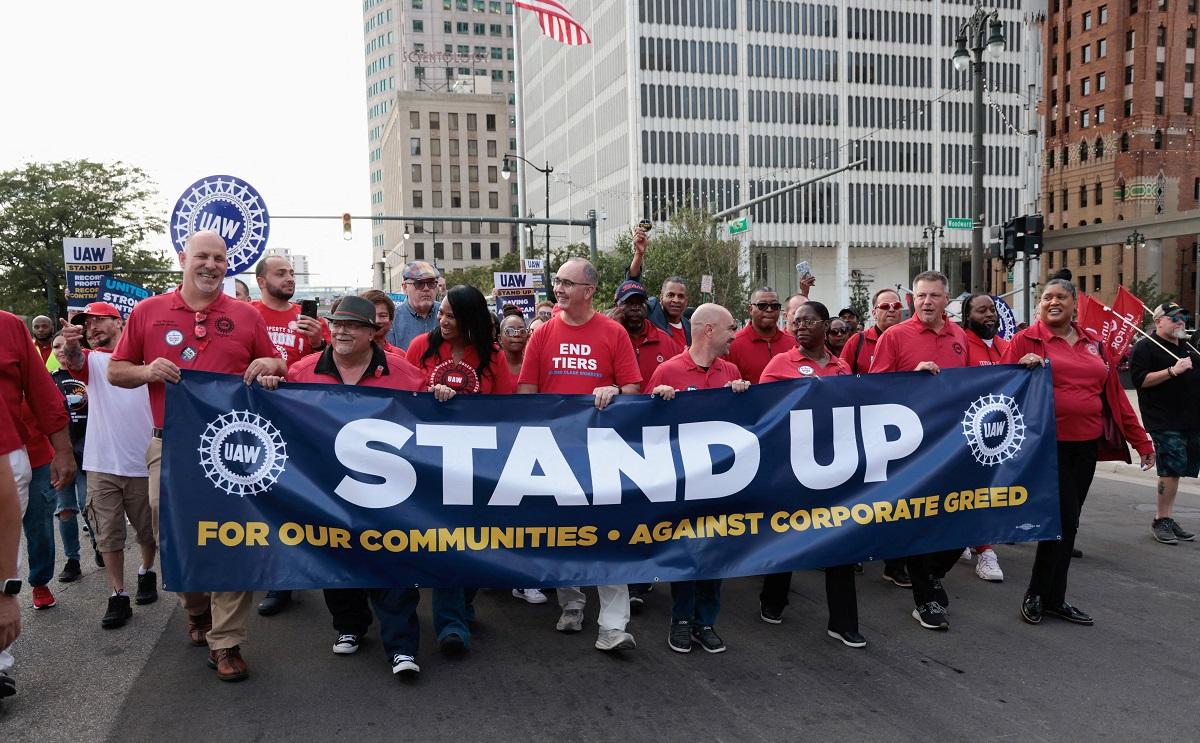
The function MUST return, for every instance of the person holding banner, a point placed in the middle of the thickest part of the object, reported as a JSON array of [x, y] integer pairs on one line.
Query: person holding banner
[[580, 352], [1086, 391], [196, 326], [354, 358], [928, 341], [811, 359], [1164, 368]]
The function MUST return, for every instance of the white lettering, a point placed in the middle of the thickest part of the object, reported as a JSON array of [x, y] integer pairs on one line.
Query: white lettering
[[695, 442], [610, 456], [458, 479], [880, 450], [809, 472], [352, 448], [535, 446]]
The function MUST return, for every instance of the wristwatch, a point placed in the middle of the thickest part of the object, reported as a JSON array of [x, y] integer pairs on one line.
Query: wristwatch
[[12, 587]]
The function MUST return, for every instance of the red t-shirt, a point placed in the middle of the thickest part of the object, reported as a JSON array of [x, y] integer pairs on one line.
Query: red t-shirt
[[281, 326], [859, 359], [1078, 373], [911, 342], [750, 352], [980, 353], [44, 351], [678, 335], [386, 370], [683, 373], [652, 348], [9, 440], [795, 365], [460, 375], [567, 359], [23, 376], [37, 446], [163, 326]]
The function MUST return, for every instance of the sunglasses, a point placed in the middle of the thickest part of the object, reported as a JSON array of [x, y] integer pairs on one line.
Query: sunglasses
[[885, 306], [516, 332], [199, 330], [767, 306], [423, 283]]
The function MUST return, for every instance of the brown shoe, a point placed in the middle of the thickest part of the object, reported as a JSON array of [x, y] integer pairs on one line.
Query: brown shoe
[[228, 663], [198, 627]]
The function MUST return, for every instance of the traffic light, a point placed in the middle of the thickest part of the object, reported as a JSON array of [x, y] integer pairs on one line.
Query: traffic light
[[1033, 235], [995, 241], [1012, 240], [346, 227]]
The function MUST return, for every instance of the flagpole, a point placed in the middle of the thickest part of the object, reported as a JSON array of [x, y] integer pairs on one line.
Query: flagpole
[[1128, 322], [522, 235]]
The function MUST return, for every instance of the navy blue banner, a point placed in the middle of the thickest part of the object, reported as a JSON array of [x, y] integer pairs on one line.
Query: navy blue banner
[[318, 486]]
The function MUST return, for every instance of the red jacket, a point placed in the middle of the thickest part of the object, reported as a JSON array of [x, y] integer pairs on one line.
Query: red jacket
[[980, 353]]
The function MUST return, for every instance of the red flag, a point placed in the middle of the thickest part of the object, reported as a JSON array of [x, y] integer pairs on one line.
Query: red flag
[[1090, 314], [556, 21], [1125, 315]]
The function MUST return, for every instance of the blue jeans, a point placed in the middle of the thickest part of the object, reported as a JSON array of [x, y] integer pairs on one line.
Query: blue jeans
[[453, 610], [696, 601], [39, 526], [74, 499], [398, 625]]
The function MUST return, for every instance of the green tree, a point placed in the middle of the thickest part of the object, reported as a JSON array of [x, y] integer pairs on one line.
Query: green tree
[[1148, 291], [41, 203], [481, 277]]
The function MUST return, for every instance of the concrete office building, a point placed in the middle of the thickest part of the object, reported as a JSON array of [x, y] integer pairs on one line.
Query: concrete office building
[[712, 103]]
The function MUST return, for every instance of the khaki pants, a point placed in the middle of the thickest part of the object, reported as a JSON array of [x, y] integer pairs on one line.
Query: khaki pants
[[230, 609]]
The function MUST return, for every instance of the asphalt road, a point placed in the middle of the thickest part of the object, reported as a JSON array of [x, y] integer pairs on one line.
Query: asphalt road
[[1131, 676]]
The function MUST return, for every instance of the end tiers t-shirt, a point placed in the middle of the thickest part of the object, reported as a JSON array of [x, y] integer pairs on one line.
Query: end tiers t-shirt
[[567, 359]]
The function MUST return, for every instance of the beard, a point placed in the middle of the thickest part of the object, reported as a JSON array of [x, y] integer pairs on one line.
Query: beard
[[281, 293], [983, 330], [1180, 334]]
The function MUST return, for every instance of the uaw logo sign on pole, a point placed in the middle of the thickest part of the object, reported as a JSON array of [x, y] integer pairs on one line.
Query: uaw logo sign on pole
[[230, 207]]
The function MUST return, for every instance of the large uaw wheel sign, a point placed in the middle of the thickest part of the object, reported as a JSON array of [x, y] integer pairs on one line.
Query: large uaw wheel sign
[[230, 207]]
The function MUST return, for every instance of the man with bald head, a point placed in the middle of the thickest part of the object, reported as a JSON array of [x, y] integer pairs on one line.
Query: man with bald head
[[196, 327], [43, 336]]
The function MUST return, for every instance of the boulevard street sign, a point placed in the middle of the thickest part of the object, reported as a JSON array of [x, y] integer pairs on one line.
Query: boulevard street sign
[[959, 223], [738, 226]]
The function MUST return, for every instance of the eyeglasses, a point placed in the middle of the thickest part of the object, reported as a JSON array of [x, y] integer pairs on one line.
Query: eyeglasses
[[516, 332], [807, 322], [839, 331], [886, 306], [422, 283], [767, 306], [199, 330], [568, 284]]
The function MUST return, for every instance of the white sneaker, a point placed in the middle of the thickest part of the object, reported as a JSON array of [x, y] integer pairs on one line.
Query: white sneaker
[[532, 595], [966, 555], [614, 639], [570, 621], [404, 664], [988, 567], [346, 645]]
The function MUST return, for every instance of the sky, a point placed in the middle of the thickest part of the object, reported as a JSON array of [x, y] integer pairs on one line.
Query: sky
[[272, 92]]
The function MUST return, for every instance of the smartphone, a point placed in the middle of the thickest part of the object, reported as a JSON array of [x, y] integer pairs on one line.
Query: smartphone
[[645, 225], [804, 269], [308, 308]]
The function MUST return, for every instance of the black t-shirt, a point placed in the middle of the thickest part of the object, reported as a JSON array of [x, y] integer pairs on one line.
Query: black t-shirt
[[1173, 405], [75, 398]]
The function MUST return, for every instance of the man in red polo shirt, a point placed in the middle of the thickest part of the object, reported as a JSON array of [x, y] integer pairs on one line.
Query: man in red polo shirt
[[196, 327], [582, 352], [928, 341], [757, 343], [860, 348], [696, 602], [651, 345]]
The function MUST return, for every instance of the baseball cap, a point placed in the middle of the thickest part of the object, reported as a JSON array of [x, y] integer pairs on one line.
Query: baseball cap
[[1169, 309], [629, 289], [419, 270], [95, 309], [355, 309]]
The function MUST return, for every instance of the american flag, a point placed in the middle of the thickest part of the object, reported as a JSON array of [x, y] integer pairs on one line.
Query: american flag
[[556, 21]]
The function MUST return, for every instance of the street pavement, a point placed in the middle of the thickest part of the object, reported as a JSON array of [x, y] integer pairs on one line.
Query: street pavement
[[991, 677]]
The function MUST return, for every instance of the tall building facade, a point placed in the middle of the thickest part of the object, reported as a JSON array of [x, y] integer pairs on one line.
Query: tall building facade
[[1120, 125], [712, 103], [415, 49]]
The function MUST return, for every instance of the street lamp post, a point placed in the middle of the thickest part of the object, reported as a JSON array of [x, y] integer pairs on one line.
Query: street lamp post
[[983, 32], [1136, 240], [546, 171], [932, 233]]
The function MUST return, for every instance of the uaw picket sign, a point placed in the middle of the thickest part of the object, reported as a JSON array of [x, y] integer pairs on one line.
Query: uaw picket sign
[[320, 486], [516, 289], [88, 263], [230, 207]]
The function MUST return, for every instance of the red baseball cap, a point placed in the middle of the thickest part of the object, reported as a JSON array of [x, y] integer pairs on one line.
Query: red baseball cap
[[95, 309]]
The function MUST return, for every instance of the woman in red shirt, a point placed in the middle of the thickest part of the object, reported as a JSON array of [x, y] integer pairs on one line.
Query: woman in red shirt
[[514, 336], [1084, 380], [810, 359]]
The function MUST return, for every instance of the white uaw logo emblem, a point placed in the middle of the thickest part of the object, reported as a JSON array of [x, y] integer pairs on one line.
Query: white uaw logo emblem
[[242, 453], [995, 429], [230, 207]]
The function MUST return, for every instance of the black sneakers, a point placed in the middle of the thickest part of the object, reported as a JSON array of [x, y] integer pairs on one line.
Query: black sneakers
[[849, 639], [680, 638], [1031, 608], [118, 612], [931, 616], [147, 589], [1172, 526], [939, 593], [899, 576], [770, 614], [8, 686], [708, 639], [70, 572], [1162, 531]]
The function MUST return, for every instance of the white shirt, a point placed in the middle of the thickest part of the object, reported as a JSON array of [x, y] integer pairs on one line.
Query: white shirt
[[119, 423]]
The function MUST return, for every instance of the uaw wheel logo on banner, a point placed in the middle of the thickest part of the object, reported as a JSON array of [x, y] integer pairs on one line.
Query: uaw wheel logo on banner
[[457, 375], [230, 207], [994, 428], [242, 453]]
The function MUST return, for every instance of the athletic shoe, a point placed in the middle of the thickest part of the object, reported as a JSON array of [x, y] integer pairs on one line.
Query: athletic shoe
[[530, 595], [858, 568], [405, 666], [770, 614], [939, 593], [346, 644], [614, 639], [1031, 608], [899, 576], [637, 595], [8, 686], [70, 572], [988, 567], [966, 555], [147, 589], [1070, 614], [452, 645], [708, 639], [1180, 534], [931, 616], [849, 639], [42, 598], [1161, 529], [274, 602], [1076, 553], [570, 621], [680, 637], [118, 612]]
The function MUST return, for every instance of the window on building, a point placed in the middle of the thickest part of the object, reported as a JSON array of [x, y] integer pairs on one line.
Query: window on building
[[1189, 72], [492, 174], [439, 251], [1085, 86], [1127, 107], [473, 174], [1158, 106], [417, 199], [455, 173], [1085, 120], [1187, 106], [456, 251], [493, 199], [1161, 38], [1191, 37], [456, 201], [1124, 141], [437, 199], [1099, 115], [1133, 7], [489, 122], [416, 172], [1098, 147], [1160, 71], [473, 199], [1086, 54], [1158, 139], [1129, 74], [1102, 48], [1087, 21], [1130, 40], [494, 250], [414, 146], [414, 119], [472, 148], [1101, 82], [454, 148], [1103, 12], [435, 147], [491, 148], [1098, 198], [472, 122], [435, 120]]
